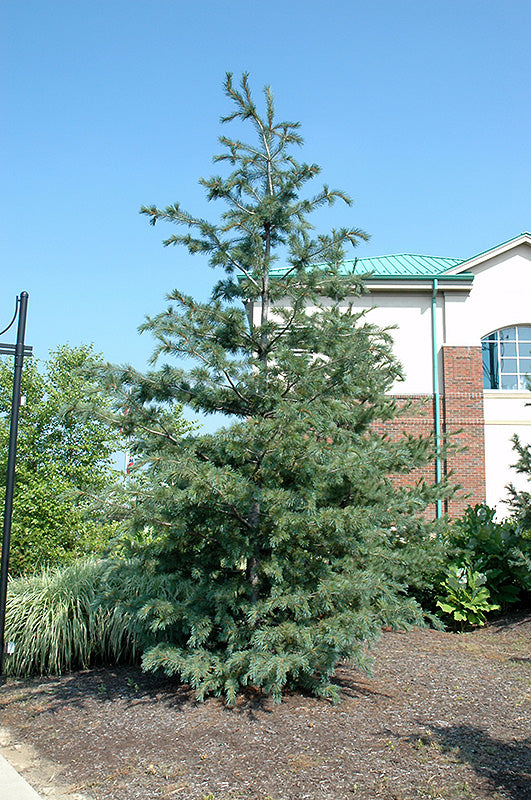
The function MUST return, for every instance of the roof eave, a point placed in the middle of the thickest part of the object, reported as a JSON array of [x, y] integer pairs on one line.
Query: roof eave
[[462, 282]]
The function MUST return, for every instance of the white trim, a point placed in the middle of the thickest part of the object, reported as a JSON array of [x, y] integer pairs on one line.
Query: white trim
[[422, 285], [511, 422], [507, 394]]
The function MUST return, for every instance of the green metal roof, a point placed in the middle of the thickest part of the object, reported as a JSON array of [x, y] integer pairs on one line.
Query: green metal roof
[[404, 265], [408, 265]]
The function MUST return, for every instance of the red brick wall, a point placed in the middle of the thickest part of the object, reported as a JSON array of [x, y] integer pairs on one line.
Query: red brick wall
[[462, 394], [462, 417], [417, 420]]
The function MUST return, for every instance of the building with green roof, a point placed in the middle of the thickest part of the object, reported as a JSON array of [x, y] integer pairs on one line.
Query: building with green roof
[[462, 332]]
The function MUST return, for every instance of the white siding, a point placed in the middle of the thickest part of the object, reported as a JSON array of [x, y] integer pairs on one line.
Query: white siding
[[500, 296], [506, 413]]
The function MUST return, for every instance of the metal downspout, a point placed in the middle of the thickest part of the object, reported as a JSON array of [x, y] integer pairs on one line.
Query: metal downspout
[[436, 393]]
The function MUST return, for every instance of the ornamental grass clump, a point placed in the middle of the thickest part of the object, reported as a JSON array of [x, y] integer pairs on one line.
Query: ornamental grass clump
[[58, 623]]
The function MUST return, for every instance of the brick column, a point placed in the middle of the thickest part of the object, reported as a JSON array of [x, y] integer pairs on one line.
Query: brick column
[[462, 410]]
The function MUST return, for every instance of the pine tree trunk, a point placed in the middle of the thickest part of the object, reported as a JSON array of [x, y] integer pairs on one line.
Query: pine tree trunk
[[253, 562]]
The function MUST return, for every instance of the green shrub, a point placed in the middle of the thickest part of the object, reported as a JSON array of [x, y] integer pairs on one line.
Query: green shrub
[[520, 500], [499, 550], [49, 530], [58, 621], [64, 458]]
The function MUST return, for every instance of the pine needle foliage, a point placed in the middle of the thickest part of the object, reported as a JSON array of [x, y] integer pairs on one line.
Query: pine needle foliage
[[283, 544], [520, 500]]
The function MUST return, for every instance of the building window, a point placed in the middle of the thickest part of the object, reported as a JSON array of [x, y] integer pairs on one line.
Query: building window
[[507, 358]]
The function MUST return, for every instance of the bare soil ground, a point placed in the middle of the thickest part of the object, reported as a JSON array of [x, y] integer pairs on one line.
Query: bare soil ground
[[444, 715]]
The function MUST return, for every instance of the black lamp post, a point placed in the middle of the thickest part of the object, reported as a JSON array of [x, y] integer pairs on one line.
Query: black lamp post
[[18, 350]]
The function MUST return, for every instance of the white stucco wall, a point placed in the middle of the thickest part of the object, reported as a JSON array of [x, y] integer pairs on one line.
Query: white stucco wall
[[506, 413], [500, 296], [409, 317]]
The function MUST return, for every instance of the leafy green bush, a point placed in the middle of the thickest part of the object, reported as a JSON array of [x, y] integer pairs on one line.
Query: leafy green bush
[[49, 527], [499, 550], [466, 597], [58, 622], [483, 566], [64, 458]]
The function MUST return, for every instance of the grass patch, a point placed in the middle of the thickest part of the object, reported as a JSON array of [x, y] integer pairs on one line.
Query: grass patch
[[57, 624]]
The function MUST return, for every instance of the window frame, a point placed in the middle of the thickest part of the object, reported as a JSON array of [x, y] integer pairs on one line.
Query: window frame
[[511, 366]]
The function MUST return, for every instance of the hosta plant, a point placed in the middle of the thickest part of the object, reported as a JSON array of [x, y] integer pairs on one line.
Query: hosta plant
[[466, 599]]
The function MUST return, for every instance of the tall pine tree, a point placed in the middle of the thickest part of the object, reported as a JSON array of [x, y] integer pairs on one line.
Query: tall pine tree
[[279, 545]]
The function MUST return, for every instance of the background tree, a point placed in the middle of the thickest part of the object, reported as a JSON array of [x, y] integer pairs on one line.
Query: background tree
[[520, 501], [279, 543], [63, 458]]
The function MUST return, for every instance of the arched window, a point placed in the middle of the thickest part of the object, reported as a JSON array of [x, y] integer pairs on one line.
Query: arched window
[[507, 358]]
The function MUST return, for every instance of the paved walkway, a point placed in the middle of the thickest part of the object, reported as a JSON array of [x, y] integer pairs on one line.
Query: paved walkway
[[13, 786], [18, 759]]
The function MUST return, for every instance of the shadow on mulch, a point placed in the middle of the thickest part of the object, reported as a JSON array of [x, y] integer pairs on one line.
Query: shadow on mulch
[[127, 683], [134, 687], [506, 765]]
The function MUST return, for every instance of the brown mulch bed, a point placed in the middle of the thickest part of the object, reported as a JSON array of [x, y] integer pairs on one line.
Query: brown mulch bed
[[443, 715]]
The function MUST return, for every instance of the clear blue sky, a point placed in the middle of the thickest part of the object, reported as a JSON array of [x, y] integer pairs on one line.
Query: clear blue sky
[[420, 110]]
